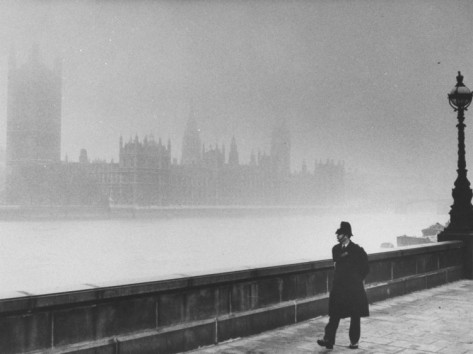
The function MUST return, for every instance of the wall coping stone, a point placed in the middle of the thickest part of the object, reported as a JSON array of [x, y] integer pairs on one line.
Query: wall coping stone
[[415, 250]]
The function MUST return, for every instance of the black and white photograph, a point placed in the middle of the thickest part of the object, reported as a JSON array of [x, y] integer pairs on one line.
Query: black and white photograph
[[236, 177]]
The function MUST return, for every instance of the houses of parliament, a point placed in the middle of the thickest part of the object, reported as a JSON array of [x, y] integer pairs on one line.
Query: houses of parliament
[[146, 174]]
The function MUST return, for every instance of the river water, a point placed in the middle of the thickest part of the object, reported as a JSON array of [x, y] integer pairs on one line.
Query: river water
[[59, 255]]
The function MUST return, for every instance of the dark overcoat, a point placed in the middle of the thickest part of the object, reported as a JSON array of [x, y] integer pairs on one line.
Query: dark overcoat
[[348, 296]]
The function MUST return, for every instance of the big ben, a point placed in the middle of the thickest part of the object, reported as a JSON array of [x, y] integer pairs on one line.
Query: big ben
[[33, 124]]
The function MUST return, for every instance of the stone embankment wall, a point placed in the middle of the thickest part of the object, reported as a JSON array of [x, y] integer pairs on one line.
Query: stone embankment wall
[[184, 313]]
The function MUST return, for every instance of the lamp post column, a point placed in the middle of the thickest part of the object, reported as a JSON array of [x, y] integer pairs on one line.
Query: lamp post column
[[461, 213]]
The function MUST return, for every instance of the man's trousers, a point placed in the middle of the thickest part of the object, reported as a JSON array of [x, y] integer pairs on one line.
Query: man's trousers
[[332, 326]]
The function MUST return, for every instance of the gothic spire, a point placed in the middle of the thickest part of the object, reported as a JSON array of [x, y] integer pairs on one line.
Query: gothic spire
[[233, 158]]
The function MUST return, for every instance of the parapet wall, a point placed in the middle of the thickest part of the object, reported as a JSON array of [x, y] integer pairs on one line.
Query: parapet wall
[[185, 313]]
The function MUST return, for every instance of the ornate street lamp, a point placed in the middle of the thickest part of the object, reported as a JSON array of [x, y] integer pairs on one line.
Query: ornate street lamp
[[461, 213]]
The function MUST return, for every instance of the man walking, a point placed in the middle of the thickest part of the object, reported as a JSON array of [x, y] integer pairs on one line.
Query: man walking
[[348, 296]]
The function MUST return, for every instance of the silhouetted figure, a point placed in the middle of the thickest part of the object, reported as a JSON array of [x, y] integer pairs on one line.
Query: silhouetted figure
[[348, 296]]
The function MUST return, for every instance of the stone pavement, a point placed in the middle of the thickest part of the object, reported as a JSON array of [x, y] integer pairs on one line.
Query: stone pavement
[[438, 320]]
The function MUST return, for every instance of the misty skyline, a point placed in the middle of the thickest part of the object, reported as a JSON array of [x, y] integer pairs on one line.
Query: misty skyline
[[360, 81]]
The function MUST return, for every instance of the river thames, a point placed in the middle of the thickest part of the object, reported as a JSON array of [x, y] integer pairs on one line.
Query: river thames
[[58, 255]]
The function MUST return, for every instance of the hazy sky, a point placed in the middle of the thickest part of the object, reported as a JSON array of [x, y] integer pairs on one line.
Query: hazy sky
[[361, 81]]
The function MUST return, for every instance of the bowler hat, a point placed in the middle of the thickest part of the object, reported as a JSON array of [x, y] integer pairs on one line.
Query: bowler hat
[[345, 229]]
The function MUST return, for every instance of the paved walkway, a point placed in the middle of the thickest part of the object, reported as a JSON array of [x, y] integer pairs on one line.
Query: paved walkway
[[439, 320]]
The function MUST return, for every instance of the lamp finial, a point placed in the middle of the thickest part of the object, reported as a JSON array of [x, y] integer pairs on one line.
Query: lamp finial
[[459, 79]]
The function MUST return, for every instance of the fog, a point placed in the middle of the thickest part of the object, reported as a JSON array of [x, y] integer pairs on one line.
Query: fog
[[362, 82], [73, 255]]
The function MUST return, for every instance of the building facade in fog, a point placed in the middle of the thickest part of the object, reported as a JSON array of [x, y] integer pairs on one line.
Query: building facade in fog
[[33, 126], [145, 174]]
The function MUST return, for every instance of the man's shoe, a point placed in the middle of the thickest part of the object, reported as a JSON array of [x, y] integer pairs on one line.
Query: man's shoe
[[353, 346], [324, 343]]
